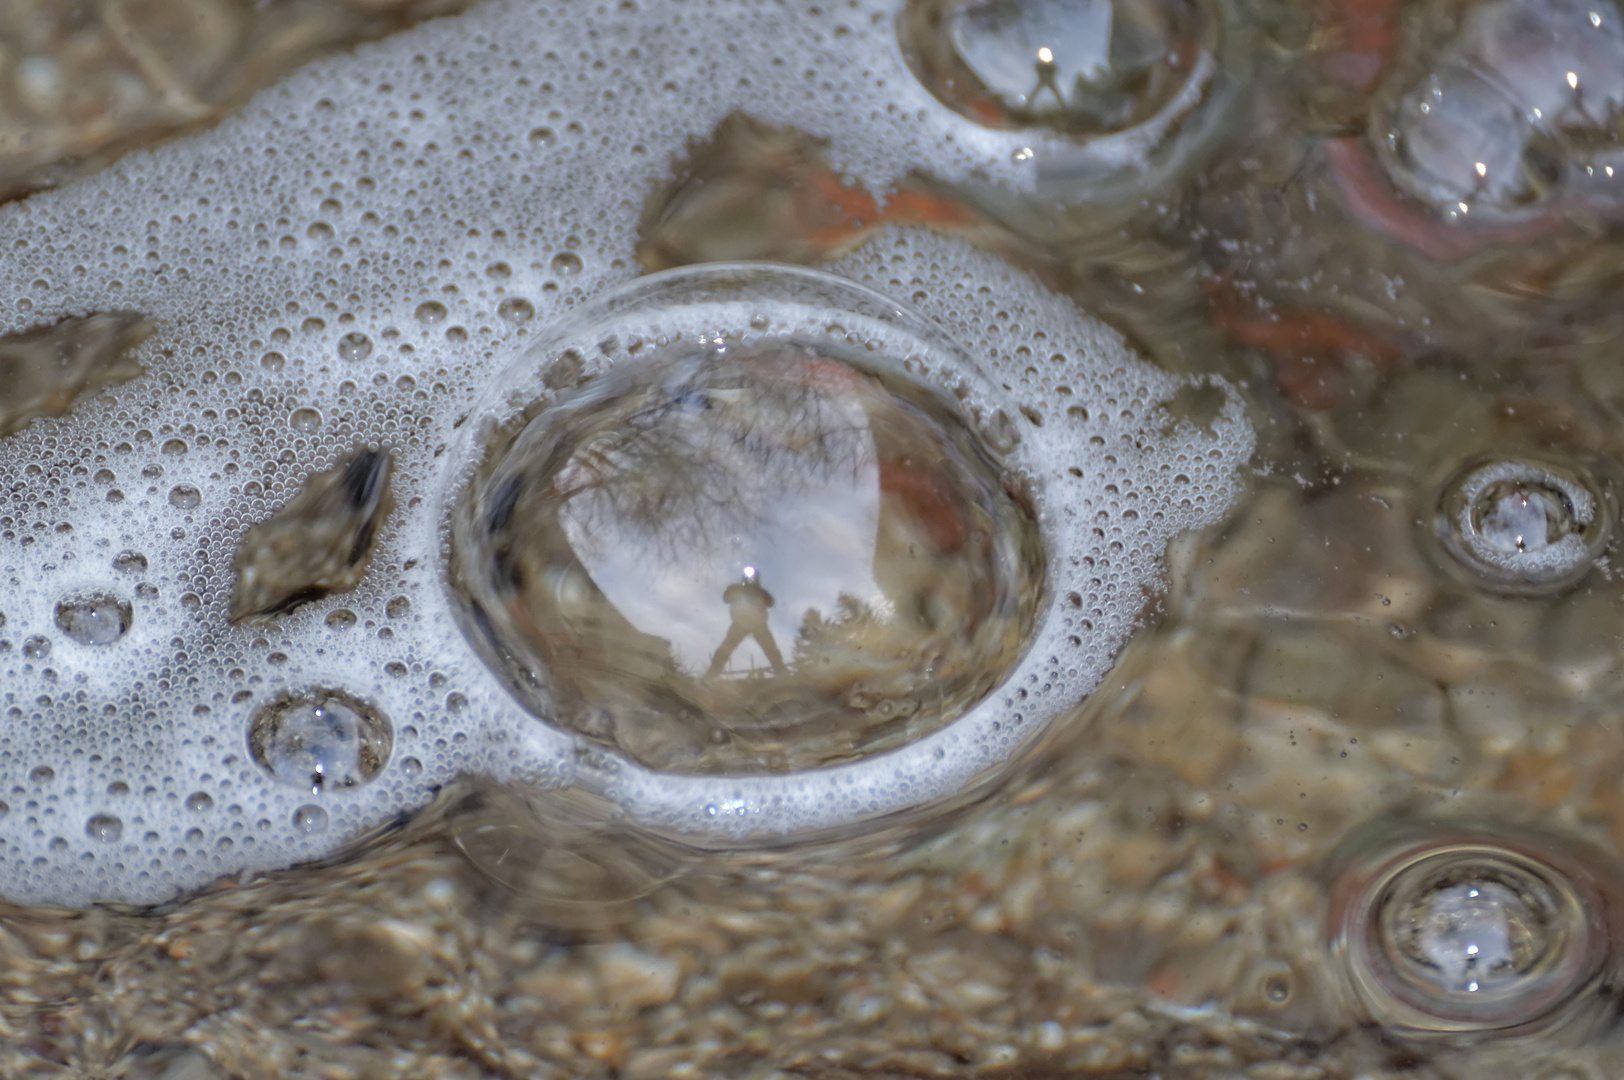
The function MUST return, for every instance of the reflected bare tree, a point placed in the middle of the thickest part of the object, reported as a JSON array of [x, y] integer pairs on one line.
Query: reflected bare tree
[[705, 451]]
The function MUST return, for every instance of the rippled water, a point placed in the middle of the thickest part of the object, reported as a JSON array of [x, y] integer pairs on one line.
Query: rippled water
[[1349, 804]]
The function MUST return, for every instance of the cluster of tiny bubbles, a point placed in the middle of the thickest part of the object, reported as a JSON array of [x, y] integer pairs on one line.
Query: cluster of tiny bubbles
[[1096, 98], [1444, 929], [416, 211], [1523, 526], [1515, 108]]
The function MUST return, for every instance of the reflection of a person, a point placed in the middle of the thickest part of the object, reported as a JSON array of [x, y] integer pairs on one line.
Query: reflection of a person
[[1048, 73], [747, 602]]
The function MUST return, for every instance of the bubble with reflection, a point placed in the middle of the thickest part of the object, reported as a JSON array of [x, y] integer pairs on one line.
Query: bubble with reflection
[[729, 557], [310, 820], [320, 740], [354, 347], [94, 618], [1087, 67], [1457, 931], [1522, 526], [104, 828], [1519, 105], [1128, 86]]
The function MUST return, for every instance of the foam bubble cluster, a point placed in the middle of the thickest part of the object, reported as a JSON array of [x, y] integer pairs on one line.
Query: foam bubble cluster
[[351, 262]]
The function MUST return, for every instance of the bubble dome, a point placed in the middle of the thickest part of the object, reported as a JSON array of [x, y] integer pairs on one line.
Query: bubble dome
[[351, 265]]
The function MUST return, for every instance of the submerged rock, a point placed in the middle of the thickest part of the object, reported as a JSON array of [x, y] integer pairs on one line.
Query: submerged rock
[[319, 543], [46, 372], [89, 82]]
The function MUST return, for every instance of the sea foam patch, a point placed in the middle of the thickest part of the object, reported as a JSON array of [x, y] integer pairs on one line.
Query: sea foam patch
[[352, 261]]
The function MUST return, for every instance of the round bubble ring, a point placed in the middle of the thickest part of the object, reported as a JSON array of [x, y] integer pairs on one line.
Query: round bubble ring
[[1444, 930], [1522, 526]]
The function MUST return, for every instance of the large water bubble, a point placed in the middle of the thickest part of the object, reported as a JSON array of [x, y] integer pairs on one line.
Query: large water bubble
[[1521, 526], [1131, 86], [748, 547], [735, 556], [1088, 68], [1520, 106], [1460, 932]]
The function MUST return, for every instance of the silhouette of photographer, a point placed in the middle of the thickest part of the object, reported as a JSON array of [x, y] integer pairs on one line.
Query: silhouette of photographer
[[748, 603]]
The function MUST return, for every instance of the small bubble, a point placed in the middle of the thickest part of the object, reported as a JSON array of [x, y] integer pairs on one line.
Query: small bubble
[[499, 271], [341, 619], [543, 137], [1523, 526], [199, 801], [185, 497], [273, 361], [356, 346], [307, 421], [515, 310], [431, 311], [310, 820], [36, 647], [397, 607], [320, 739], [104, 828], [94, 618], [42, 774], [411, 766], [174, 447], [566, 263]]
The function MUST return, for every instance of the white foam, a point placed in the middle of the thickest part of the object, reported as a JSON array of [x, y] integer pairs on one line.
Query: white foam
[[356, 194]]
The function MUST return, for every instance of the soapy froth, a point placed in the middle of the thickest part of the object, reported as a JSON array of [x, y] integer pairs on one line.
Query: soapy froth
[[368, 199]]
